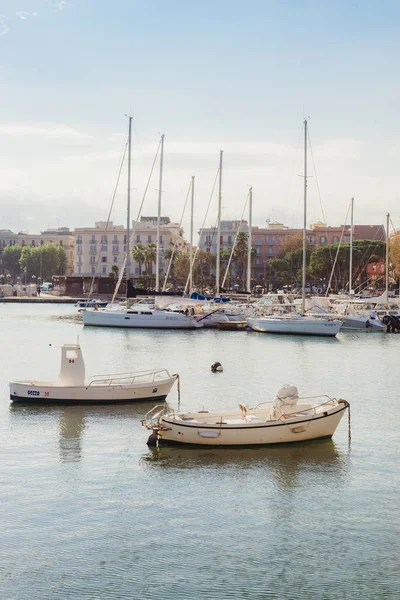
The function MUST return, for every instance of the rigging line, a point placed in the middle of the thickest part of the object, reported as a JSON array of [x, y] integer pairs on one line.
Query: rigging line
[[108, 216], [293, 168], [337, 252], [202, 227], [176, 240], [316, 177], [234, 243], [133, 228]]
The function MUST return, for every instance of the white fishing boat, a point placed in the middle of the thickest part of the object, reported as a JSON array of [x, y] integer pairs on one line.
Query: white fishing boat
[[286, 420], [296, 325], [72, 388]]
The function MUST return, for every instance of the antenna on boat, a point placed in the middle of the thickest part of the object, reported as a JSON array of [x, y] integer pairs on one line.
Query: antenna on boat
[[159, 215], [128, 210], [219, 225], [249, 241]]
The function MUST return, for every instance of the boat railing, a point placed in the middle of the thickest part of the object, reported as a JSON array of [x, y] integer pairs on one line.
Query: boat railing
[[129, 378], [153, 416], [311, 408]]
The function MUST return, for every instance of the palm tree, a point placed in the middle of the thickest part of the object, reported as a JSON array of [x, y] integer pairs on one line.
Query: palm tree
[[139, 255], [150, 256], [114, 272]]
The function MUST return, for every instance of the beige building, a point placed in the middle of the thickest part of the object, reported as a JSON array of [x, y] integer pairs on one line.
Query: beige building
[[61, 236], [100, 247]]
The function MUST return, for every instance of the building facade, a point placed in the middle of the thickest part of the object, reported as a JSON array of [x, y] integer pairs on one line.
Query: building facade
[[60, 236], [228, 231], [101, 247], [270, 242]]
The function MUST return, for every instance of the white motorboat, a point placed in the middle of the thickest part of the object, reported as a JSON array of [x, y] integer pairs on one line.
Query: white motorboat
[[296, 325], [72, 388], [285, 421], [139, 317]]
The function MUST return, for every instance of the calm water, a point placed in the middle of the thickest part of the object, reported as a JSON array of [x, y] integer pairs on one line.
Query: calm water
[[88, 511]]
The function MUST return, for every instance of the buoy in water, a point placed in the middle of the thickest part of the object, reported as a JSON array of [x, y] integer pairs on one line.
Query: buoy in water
[[216, 367]]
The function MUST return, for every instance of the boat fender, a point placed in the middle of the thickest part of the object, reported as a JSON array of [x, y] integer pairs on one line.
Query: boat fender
[[216, 367]]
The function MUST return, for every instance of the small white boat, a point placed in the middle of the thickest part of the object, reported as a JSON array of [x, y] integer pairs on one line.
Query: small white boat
[[284, 422], [90, 303], [296, 325], [72, 388]]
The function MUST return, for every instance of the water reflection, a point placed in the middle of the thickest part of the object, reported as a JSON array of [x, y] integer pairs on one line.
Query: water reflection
[[286, 462], [72, 421]]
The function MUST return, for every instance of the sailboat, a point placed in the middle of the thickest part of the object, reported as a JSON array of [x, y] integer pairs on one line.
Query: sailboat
[[139, 316], [299, 324]]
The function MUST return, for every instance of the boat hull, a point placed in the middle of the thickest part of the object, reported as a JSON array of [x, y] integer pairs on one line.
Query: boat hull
[[363, 324], [31, 393], [305, 326], [250, 434], [140, 320]]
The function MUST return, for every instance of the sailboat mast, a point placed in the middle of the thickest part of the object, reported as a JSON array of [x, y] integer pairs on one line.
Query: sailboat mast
[[128, 210], [387, 258], [219, 225], [303, 292], [191, 240], [159, 216], [249, 241], [351, 250]]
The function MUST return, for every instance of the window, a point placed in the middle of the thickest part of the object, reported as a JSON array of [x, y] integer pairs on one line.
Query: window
[[115, 259], [270, 240], [258, 251], [79, 239], [93, 270], [149, 239], [104, 239], [104, 270], [270, 251], [61, 243], [229, 240], [92, 260], [115, 239], [125, 239], [221, 240], [160, 239], [311, 239], [104, 259], [335, 239], [79, 249], [115, 249], [258, 241], [208, 240], [93, 249], [136, 270], [138, 237], [93, 239], [322, 240], [258, 261]]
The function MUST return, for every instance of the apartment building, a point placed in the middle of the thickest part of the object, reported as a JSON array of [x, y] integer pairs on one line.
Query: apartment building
[[100, 247], [269, 241], [228, 231]]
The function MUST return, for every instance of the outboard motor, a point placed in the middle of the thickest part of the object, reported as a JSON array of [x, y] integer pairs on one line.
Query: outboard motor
[[216, 367]]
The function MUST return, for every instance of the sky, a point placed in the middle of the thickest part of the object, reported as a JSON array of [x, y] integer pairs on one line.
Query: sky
[[212, 75]]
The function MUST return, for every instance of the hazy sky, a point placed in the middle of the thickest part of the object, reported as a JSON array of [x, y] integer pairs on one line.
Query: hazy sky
[[233, 75]]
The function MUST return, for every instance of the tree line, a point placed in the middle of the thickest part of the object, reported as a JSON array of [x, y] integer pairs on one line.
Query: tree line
[[34, 261]]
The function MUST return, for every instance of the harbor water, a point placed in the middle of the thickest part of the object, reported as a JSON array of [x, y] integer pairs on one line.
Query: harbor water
[[88, 511]]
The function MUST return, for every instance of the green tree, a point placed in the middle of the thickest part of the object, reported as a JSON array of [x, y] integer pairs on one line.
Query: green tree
[[10, 258], [114, 273], [139, 255], [150, 255]]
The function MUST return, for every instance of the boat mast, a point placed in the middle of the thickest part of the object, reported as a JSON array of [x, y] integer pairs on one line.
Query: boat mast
[[249, 241], [351, 250], [387, 258], [128, 210], [303, 292], [159, 216], [191, 241], [219, 224]]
